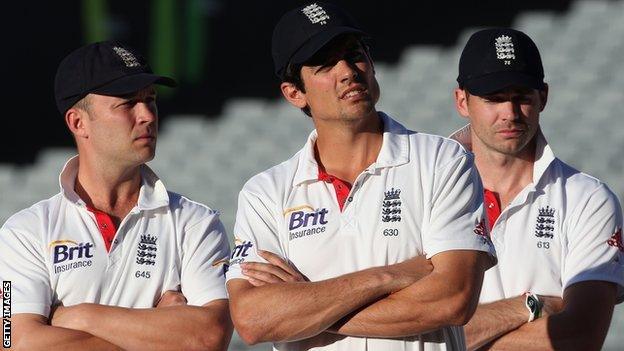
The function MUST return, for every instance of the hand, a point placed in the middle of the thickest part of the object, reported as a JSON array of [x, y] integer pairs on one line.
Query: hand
[[70, 317], [171, 298], [410, 271], [550, 305], [276, 271]]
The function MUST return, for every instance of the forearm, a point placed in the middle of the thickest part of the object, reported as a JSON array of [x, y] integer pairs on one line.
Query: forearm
[[166, 328], [51, 338], [491, 320], [292, 311], [550, 333], [440, 299], [417, 309]]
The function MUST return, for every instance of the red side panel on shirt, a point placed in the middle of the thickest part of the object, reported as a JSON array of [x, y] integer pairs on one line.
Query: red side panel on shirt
[[492, 206], [105, 225], [342, 187]]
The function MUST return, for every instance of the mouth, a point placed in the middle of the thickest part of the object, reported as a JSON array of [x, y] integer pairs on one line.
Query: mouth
[[146, 137], [511, 133], [355, 92]]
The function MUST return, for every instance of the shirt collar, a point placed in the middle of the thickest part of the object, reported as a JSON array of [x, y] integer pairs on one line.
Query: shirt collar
[[544, 155], [152, 194], [394, 151]]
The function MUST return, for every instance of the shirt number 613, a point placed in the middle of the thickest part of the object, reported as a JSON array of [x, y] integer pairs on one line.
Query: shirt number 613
[[543, 245]]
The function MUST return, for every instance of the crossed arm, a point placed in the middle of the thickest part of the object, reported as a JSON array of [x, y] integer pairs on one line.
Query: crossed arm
[[579, 321], [171, 326], [407, 298]]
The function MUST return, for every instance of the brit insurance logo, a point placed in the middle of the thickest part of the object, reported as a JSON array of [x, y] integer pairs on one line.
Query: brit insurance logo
[[240, 251], [391, 206], [305, 221], [146, 250], [69, 254]]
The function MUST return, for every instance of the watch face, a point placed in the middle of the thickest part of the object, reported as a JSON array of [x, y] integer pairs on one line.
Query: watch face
[[531, 303]]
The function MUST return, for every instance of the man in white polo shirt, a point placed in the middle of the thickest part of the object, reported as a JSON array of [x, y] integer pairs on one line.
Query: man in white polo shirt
[[384, 223], [114, 261], [557, 231]]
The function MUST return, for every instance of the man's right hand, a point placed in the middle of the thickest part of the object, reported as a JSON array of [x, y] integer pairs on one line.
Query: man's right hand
[[277, 270], [410, 271], [171, 298]]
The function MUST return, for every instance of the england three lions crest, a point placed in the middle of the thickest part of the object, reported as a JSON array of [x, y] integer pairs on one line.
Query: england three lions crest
[[391, 206], [545, 223], [146, 250]]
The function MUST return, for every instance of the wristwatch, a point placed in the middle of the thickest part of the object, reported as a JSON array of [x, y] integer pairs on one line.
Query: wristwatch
[[534, 306]]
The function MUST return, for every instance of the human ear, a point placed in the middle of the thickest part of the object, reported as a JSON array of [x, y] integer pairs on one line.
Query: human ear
[[294, 95], [543, 97], [75, 120], [461, 102]]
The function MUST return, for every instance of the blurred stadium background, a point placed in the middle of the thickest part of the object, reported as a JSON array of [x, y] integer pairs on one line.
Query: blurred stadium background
[[226, 122]]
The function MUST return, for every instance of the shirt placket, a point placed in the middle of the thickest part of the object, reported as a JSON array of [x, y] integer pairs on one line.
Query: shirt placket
[[348, 216]]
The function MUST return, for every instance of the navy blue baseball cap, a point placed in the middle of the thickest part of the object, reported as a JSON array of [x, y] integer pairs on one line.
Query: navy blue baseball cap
[[105, 68], [303, 31], [497, 58]]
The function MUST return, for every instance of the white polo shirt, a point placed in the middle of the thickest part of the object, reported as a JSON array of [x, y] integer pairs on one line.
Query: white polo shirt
[[563, 228], [54, 253], [421, 196]]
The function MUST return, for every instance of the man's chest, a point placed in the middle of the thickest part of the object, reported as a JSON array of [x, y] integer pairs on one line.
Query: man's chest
[[142, 261], [531, 245], [381, 223]]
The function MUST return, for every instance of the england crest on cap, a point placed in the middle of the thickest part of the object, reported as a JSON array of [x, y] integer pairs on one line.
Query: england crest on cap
[[505, 49], [315, 14]]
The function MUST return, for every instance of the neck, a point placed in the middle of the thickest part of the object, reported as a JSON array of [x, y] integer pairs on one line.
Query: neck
[[346, 148], [111, 189], [504, 174]]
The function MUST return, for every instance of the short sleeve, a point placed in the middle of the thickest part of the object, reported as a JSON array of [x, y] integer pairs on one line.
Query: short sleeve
[[594, 248], [22, 263], [205, 255], [255, 228], [457, 216]]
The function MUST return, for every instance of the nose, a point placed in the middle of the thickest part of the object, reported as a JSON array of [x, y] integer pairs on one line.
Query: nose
[[146, 112], [346, 71], [510, 110]]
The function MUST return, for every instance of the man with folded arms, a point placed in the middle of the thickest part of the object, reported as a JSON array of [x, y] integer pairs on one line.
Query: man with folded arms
[[114, 261], [557, 231], [386, 224]]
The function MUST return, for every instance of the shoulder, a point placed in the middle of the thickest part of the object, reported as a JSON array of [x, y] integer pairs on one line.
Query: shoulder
[[581, 189], [35, 217], [273, 182], [187, 212], [437, 150]]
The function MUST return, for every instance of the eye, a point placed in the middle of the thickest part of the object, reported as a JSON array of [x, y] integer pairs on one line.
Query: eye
[[355, 56], [323, 68]]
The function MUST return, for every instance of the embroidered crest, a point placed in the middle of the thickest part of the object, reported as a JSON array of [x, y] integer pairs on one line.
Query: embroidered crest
[[128, 58], [616, 240], [504, 49], [315, 14], [146, 251], [545, 224], [480, 228], [391, 206]]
